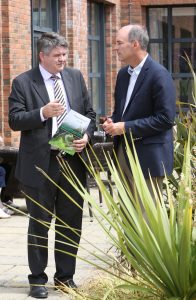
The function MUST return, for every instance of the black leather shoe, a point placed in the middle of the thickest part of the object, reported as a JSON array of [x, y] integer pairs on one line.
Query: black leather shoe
[[38, 291], [70, 284], [63, 285]]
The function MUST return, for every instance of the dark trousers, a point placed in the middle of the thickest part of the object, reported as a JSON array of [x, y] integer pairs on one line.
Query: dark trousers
[[157, 181], [53, 199]]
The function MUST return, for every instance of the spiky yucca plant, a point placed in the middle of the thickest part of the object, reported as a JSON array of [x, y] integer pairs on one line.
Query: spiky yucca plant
[[185, 125], [161, 248]]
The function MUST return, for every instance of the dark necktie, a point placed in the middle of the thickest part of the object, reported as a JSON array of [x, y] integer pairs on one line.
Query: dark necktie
[[58, 95]]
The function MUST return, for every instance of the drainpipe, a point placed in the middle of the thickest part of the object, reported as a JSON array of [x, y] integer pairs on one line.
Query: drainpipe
[[130, 4]]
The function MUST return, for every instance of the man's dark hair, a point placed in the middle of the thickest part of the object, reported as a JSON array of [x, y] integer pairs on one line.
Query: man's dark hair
[[49, 41]]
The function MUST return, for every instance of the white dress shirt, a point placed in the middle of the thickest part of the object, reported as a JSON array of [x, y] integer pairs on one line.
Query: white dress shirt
[[49, 83], [134, 73]]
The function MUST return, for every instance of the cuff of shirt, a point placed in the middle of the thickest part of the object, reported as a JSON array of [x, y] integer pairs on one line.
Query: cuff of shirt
[[41, 115]]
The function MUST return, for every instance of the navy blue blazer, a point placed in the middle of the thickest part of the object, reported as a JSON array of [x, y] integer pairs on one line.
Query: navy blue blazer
[[149, 116]]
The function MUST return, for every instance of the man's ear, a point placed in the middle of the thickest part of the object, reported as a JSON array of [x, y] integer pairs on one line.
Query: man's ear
[[135, 44], [41, 56]]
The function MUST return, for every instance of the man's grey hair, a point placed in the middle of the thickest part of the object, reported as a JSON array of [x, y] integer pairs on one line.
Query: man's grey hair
[[49, 41], [139, 33]]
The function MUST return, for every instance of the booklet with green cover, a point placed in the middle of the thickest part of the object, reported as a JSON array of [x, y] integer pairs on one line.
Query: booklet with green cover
[[73, 127]]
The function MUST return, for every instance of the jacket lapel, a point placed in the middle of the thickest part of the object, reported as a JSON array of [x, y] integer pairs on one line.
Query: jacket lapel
[[139, 81], [67, 81], [124, 85], [39, 86]]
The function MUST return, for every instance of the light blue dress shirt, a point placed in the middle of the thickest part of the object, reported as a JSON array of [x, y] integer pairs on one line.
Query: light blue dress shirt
[[134, 73]]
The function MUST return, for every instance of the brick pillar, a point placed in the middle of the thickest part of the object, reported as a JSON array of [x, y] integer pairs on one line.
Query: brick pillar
[[4, 70], [15, 54], [1, 72], [76, 33], [112, 24]]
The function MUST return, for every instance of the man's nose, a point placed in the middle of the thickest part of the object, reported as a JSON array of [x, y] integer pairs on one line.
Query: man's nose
[[62, 58]]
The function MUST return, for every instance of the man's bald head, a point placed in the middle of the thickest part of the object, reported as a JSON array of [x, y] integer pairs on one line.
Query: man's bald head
[[136, 32]]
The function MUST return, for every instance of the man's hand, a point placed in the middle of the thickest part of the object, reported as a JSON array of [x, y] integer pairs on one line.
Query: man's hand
[[112, 128], [52, 109], [80, 144]]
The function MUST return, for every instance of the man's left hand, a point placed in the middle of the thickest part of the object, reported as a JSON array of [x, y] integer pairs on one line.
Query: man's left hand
[[80, 144], [114, 128]]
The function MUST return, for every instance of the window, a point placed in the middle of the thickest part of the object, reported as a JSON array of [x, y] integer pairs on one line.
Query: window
[[44, 19], [96, 62], [172, 32]]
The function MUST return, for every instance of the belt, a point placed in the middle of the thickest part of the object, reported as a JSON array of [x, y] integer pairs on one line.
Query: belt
[[137, 139]]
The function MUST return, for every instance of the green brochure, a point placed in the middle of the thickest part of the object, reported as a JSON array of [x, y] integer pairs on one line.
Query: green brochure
[[73, 127]]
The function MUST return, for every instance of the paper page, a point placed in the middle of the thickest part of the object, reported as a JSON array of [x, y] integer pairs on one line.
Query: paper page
[[75, 121]]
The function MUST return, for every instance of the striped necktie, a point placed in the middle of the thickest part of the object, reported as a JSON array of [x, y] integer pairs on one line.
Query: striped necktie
[[58, 95]]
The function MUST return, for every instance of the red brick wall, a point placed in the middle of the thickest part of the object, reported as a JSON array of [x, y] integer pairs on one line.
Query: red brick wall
[[4, 66], [76, 33], [75, 13], [166, 2], [1, 72], [15, 54], [15, 42], [112, 23]]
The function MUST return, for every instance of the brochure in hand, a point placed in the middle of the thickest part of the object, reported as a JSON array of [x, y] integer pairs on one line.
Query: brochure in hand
[[73, 127]]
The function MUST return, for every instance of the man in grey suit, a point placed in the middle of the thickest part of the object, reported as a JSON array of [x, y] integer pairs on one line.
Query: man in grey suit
[[34, 111], [144, 105]]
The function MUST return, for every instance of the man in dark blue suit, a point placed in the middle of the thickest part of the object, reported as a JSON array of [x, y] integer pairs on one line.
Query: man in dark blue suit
[[144, 105]]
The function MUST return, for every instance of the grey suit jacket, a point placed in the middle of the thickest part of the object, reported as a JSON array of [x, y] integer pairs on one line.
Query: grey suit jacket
[[27, 96]]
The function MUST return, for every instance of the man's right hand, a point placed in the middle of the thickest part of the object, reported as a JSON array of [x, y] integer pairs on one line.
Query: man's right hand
[[112, 128], [52, 109]]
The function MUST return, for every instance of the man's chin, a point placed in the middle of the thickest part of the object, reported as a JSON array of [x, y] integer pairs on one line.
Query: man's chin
[[120, 59], [60, 68]]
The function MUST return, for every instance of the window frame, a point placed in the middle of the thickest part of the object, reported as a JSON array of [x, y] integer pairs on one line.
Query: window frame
[[101, 50], [36, 31], [171, 40]]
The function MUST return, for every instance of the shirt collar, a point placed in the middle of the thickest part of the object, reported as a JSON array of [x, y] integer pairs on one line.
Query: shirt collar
[[45, 74], [138, 68]]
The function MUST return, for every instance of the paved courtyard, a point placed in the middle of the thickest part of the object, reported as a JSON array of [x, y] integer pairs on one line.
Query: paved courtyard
[[13, 255]]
